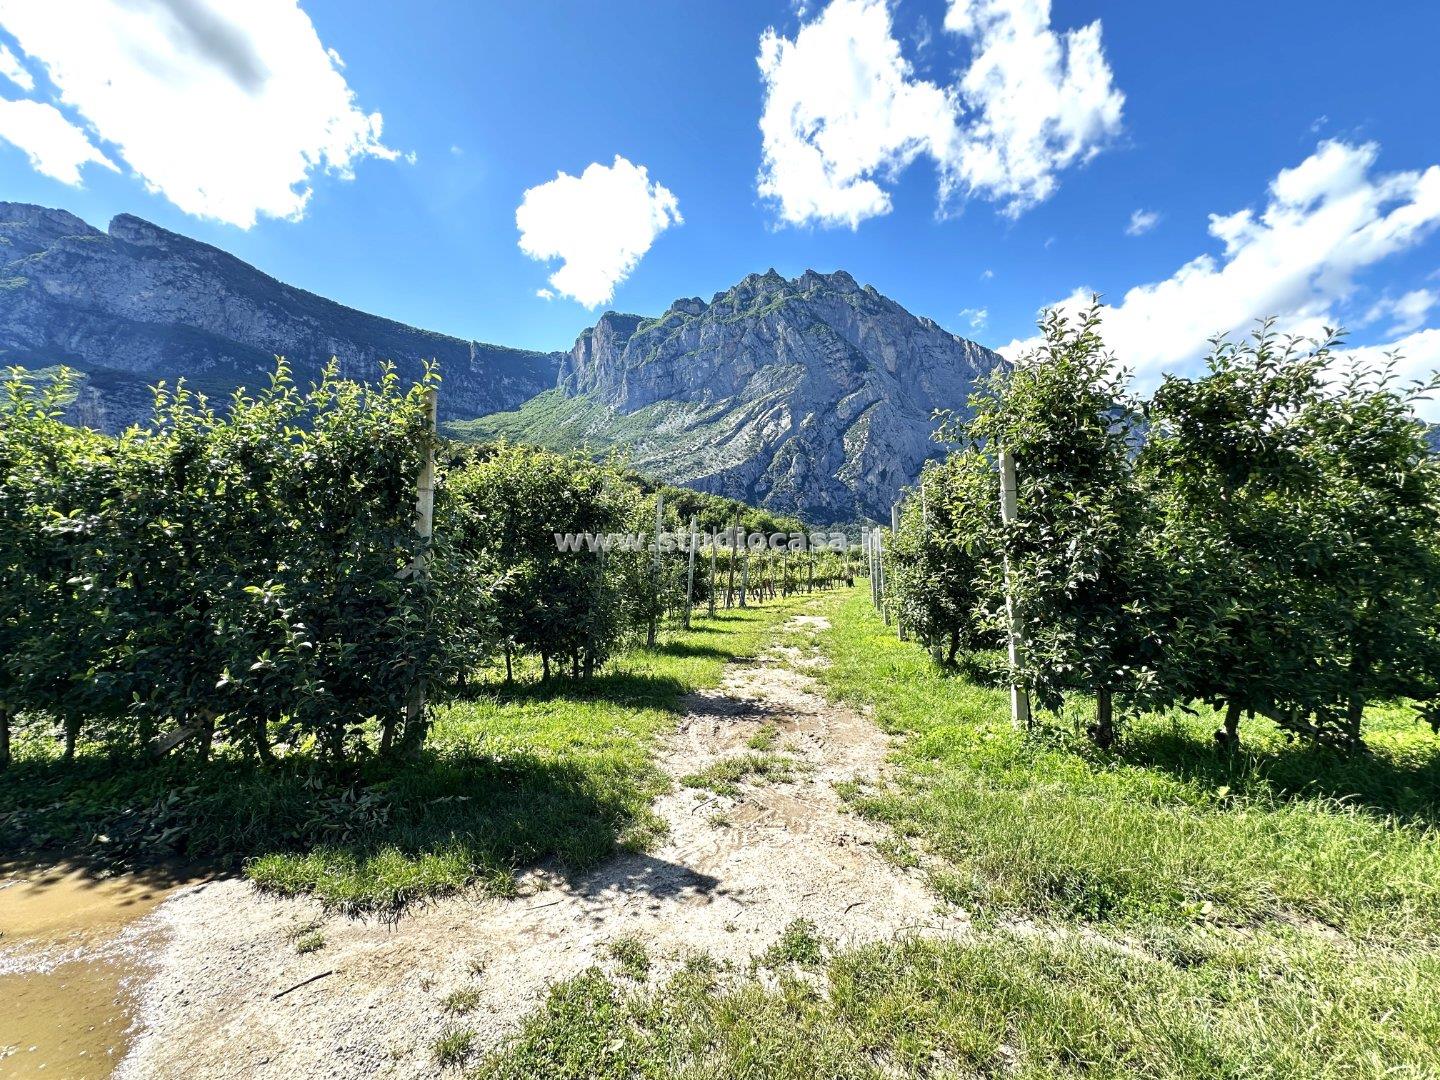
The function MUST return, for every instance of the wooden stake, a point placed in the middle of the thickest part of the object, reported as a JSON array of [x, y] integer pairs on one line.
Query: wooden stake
[[1019, 698]]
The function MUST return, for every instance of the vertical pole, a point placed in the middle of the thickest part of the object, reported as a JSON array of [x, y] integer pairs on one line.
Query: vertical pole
[[880, 572], [420, 568], [690, 576], [734, 555], [659, 528], [869, 539], [1019, 698], [894, 531], [745, 573], [712, 573]]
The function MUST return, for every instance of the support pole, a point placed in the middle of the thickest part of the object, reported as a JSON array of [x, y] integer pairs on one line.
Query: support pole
[[894, 531], [420, 567], [1019, 698], [880, 572], [690, 577], [745, 573], [734, 557], [712, 573], [659, 528]]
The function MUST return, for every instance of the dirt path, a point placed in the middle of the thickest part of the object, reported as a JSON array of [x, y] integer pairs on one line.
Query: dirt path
[[734, 870]]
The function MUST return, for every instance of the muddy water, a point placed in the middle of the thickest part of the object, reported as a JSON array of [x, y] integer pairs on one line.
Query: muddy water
[[68, 965]]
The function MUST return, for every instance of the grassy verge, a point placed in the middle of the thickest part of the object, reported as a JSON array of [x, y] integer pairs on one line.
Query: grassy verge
[[1165, 829], [511, 776], [1003, 1004], [1159, 912]]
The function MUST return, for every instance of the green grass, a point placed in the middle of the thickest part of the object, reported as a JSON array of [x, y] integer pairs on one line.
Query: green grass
[[764, 738], [1166, 828], [630, 955], [1186, 1003], [1163, 911], [311, 942], [511, 776], [452, 1048], [725, 776], [462, 1001]]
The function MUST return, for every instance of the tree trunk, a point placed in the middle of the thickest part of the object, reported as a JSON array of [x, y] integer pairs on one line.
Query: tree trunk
[[72, 734], [262, 740], [1229, 736], [1102, 733], [207, 735], [4, 737], [1354, 714], [509, 668], [954, 645], [575, 666], [544, 667]]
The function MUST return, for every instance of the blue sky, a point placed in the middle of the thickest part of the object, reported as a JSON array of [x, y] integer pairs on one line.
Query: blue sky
[[1177, 111]]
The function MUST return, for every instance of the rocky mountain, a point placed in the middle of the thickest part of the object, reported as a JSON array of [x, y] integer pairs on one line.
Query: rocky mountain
[[812, 395], [137, 304]]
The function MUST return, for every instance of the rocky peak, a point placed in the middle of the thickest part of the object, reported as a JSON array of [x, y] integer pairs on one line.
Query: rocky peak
[[818, 372], [26, 229]]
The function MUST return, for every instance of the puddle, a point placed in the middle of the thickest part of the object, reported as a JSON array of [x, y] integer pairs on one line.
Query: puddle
[[66, 973]]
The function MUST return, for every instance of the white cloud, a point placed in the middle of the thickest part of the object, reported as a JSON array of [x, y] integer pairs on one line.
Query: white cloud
[[978, 316], [1324, 221], [598, 224], [228, 114], [1141, 222], [55, 146], [840, 110], [844, 113], [987, 274], [1408, 311], [1039, 101], [12, 69], [545, 294]]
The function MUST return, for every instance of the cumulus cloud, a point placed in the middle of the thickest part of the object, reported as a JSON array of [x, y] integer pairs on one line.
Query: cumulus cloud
[[1323, 222], [599, 224], [841, 110], [1141, 222], [228, 114], [844, 113], [545, 294], [55, 146], [1408, 311], [12, 69], [978, 317], [1038, 101]]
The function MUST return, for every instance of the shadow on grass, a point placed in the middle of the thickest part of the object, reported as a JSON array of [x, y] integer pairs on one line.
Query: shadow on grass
[[631, 689], [1408, 790], [372, 838]]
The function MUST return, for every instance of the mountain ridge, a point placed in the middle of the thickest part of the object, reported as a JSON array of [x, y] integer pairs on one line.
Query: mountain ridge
[[810, 395], [138, 303]]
